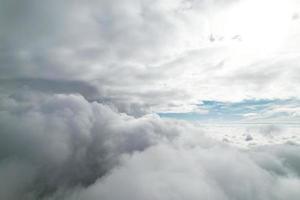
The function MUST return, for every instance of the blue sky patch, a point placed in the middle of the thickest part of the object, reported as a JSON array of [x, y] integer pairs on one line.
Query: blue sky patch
[[263, 110]]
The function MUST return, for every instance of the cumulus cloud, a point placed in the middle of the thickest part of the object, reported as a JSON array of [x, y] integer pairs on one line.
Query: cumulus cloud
[[61, 146], [66, 141], [201, 172]]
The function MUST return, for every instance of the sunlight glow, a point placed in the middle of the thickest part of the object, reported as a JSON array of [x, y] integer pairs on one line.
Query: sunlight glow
[[256, 25]]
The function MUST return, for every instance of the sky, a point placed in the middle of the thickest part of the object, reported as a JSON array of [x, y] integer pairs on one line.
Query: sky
[[275, 111], [140, 99]]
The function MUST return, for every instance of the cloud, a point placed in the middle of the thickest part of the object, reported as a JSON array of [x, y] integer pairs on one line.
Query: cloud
[[66, 140], [80, 83], [252, 135], [216, 172], [134, 50], [61, 146]]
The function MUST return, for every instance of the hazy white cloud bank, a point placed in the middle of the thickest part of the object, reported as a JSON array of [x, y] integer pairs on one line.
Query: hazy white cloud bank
[[248, 136]]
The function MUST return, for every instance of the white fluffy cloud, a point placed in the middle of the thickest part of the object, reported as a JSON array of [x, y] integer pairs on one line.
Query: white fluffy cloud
[[60, 146], [167, 172], [65, 141]]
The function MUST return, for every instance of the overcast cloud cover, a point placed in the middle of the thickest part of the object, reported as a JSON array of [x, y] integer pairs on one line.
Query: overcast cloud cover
[[87, 89]]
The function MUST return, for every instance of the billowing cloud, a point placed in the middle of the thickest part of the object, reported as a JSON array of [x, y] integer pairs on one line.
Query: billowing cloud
[[61, 146], [165, 172], [65, 141]]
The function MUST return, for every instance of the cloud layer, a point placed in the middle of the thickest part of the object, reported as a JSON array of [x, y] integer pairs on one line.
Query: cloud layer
[[61, 146], [133, 50], [81, 81]]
